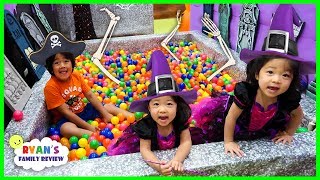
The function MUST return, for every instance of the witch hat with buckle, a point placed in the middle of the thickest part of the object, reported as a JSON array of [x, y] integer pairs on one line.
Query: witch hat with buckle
[[280, 40], [162, 84]]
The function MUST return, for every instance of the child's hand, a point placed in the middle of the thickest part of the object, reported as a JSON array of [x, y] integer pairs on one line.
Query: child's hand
[[176, 165], [283, 137], [166, 169], [93, 128], [233, 148]]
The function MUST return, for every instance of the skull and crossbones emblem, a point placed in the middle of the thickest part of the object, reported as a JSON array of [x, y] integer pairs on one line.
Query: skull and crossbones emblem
[[55, 41]]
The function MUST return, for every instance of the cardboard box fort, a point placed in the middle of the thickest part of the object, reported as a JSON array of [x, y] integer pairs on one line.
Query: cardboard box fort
[[263, 157]]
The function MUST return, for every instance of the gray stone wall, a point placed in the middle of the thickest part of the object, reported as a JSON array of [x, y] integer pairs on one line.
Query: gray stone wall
[[135, 19]]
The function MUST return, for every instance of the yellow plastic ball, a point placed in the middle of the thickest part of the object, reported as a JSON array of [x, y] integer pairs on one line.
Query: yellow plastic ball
[[115, 120], [83, 142], [80, 152], [100, 150]]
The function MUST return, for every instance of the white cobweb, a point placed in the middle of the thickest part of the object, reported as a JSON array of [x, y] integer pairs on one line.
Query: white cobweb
[[124, 6]]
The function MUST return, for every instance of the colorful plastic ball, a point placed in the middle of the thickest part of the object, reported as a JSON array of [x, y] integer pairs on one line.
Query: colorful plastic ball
[[73, 140], [93, 155], [74, 146], [229, 87], [82, 142], [114, 120], [101, 149], [302, 130], [94, 144], [104, 154], [102, 125], [85, 136], [55, 137], [131, 119], [18, 115], [138, 115], [100, 76], [81, 152], [94, 123], [106, 142], [51, 131], [56, 132], [123, 106], [83, 158], [109, 135]]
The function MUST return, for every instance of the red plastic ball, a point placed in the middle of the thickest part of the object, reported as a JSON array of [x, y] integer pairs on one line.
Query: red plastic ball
[[229, 87], [55, 137], [18, 115]]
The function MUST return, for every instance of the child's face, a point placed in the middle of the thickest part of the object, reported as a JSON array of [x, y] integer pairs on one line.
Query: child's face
[[275, 77], [62, 67], [163, 110]]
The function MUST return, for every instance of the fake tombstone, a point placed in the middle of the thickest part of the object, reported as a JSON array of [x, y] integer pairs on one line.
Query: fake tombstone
[[33, 28], [247, 26], [16, 90], [18, 35]]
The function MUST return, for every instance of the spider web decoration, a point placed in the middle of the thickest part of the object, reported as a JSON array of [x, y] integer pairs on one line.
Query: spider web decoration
[[124, 6]]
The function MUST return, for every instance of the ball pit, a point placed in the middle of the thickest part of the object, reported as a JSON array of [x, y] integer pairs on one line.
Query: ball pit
[[130, 68]]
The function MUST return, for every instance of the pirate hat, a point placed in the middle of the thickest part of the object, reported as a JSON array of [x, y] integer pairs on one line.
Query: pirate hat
[[162, 84], [280, 40], [55, 43]]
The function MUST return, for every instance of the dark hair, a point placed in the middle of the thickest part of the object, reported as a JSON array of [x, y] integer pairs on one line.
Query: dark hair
[[67, 55], [183, 113], [254, 67]]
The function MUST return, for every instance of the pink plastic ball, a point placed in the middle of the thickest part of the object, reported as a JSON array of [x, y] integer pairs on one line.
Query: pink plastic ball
[[18, 115]]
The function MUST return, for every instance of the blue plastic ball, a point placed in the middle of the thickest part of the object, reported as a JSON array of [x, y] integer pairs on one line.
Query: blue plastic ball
[[93, 155], [100, 76], [109, 135], [103, 154], [74, 146], [182, 86]]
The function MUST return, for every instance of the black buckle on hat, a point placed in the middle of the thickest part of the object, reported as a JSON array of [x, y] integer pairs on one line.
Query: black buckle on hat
[[163, 83], [278, 40]]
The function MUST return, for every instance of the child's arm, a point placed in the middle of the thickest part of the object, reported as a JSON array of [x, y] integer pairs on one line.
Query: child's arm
[[98, 106], [147, 154], [229, 144], [182, 151], [287, 136], [67, 113]]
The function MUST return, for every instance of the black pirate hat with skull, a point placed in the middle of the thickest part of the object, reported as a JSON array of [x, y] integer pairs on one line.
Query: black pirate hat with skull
[[56, 43]]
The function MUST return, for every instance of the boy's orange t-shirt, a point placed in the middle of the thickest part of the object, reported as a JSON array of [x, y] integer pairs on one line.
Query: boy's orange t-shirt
[[70, 92]]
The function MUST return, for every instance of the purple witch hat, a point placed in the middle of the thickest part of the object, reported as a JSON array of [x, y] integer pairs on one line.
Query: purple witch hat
[[280, 40], [162, 84]]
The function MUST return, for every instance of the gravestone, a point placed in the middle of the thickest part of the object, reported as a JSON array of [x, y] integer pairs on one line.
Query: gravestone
[[33, 28], [16, 90], [247, 26], [133, 20], [17, 33], [42, 18], [224, 18]]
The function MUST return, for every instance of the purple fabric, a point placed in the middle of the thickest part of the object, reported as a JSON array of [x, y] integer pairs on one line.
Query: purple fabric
[[259, 117], [158, 64], [166, 142]]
